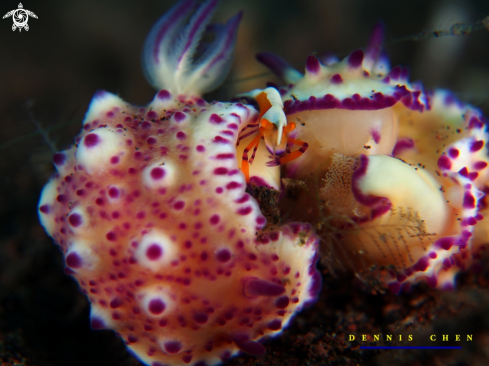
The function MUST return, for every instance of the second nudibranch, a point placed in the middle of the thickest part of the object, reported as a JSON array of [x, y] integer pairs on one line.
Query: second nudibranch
[[272, 126]]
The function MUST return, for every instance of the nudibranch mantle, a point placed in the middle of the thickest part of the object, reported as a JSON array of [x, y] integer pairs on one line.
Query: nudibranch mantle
[[151, 213], [401, 172]]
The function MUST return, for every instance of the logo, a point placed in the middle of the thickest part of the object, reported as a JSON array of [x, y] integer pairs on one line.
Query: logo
[[20, 17]]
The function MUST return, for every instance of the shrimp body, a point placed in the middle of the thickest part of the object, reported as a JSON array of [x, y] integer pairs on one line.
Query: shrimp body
[[272, 126]]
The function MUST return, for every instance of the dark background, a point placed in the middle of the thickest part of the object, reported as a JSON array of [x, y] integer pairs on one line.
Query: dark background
[[47, 78]]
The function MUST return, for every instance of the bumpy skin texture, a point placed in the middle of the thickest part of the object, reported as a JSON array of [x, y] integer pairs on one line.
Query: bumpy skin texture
[[150, 211], [401, 173], [152, 217]]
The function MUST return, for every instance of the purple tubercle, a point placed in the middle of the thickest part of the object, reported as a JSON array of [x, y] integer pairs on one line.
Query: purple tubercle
[[355, 59], [312, 64], [375, 133], [154, 252], [258, 287], [275, 324], [75, 220], [282, 302], [422, 264], [479, 165], [100, 94], [157, 173], [475, 123], [73, 260], [97, 323], [163, 94], [179, 116], [251, 347], [173, 347], [91, 140], [469, 200], [44, 209], [395, 73], [476, 145], [444, 162], [223, 255], [59, 159], [402, 144], [453, 153], [279, 67], [215, 119], [156, 306], [336, 79]]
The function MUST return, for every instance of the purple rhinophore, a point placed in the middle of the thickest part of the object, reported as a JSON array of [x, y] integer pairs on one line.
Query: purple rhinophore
[[279, 67], [195, 28], [375, 42]]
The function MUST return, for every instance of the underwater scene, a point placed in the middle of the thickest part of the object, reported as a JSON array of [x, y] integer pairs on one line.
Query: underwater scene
[[214, 182]]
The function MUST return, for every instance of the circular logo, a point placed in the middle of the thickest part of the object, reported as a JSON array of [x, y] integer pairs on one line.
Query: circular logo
[[20, 17]]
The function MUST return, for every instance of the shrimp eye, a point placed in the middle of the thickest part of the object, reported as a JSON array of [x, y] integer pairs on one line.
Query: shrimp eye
[[266, 124], [290, 127]]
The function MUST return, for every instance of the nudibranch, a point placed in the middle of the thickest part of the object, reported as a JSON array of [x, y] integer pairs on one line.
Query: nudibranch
[[150, 211], [396, 175]]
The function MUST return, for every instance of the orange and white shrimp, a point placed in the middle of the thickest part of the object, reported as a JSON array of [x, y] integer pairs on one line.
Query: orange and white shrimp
[[273, 128]]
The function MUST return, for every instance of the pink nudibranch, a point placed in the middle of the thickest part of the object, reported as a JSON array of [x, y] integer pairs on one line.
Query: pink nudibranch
[[152, 215], [400, 172]]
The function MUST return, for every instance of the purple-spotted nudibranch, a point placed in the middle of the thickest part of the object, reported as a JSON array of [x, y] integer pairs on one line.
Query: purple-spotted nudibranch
[[396, 175], [150, 211]]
